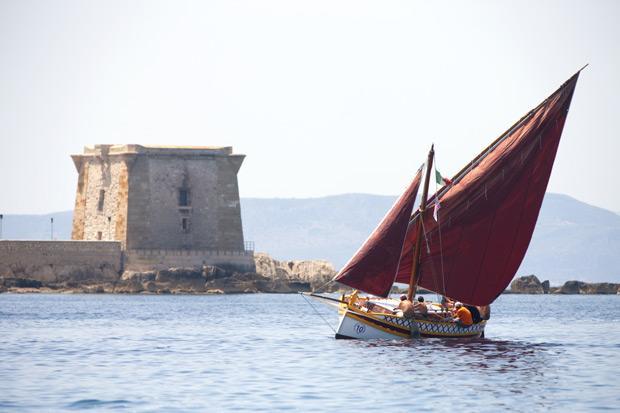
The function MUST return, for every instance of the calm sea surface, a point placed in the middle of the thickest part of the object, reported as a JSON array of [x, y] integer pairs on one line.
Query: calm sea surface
[[273, 352]]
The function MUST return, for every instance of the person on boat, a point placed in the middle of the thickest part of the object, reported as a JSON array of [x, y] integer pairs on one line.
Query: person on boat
[[420, 306], [430, 310], [475, 313], [447, 306], [406, 306], [462, 316], [447, 303], [485, 311]]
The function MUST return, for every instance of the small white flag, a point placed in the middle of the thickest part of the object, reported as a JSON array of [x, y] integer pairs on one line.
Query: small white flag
[[436, 209]]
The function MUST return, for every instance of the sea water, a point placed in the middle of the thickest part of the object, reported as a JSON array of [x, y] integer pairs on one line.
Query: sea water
[[274, 352]]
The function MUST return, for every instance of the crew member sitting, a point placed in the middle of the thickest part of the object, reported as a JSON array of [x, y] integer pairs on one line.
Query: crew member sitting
[[406, 306], [462, 315], [475, 313], [420, 306], [485, 312], [447, 303]]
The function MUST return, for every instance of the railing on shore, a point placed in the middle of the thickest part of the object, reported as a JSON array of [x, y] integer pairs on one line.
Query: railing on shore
[[187, 252], [249, 246]]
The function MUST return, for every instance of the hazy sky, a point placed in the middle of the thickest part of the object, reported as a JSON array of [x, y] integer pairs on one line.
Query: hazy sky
[[324, 97]]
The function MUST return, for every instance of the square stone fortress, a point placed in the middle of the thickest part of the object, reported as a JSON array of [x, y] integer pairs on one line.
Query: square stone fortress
[[168, 206]]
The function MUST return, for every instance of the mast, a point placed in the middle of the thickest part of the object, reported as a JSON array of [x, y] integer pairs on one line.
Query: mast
[[418, 245]]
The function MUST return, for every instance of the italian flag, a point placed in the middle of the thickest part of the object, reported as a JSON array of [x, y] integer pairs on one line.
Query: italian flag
[[441, 180]]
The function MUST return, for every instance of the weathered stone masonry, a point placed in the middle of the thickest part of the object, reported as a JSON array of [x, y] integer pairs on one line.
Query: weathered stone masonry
[[57, 253], [61, 261], [165, 205]]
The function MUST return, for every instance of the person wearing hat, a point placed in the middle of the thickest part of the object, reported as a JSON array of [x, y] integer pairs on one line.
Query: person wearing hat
[[462, 316]]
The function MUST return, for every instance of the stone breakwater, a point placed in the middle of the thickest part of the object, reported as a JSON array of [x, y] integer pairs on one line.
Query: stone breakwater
[[530, 284], [271, 276]]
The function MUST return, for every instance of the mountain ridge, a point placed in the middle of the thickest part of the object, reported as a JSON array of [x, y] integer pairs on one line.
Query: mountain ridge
[[572, 240]]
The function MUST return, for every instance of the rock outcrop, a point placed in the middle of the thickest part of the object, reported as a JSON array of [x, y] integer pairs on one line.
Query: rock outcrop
[[255, 283], [579, 287], [571, 287], [602, 288], [529, 284], [317, 273], [207, 280]]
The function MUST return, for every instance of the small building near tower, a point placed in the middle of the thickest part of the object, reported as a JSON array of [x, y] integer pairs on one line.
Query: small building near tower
[[168, 206]]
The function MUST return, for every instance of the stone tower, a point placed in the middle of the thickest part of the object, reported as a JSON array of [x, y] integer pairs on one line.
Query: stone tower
[[167, 205]]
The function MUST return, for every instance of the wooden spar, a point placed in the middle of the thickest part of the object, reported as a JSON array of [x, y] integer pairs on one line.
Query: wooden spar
[[323, 297], [418, 245]]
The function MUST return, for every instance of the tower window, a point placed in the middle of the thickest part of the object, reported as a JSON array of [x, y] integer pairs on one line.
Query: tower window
[[183, 197], [99, 235], [185, 224], [101, 200]]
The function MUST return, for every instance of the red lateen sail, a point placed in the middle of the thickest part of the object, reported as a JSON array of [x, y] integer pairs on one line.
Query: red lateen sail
[[373, 267], [488, 215]]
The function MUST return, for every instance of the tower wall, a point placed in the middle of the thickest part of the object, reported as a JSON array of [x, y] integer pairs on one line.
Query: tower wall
[[155, 215], [160, 199], [101, 215]]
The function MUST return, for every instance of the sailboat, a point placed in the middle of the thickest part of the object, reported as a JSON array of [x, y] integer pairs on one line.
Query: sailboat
[[467, 247]]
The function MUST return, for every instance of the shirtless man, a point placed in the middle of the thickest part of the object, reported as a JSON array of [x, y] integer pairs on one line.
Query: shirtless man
[[406, 306], [420, 306]]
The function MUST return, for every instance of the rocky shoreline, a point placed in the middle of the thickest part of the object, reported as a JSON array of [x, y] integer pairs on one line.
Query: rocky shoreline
[[530, 284], [271, 276]]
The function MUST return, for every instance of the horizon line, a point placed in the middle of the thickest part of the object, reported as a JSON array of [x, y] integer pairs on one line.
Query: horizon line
[[309, 198]]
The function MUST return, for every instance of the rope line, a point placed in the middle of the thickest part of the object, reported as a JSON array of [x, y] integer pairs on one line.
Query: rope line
[[316, 290], [443, 275], [318, 313], [432, 265]]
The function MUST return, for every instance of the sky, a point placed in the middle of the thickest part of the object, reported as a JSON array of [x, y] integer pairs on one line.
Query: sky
[[324, 97]]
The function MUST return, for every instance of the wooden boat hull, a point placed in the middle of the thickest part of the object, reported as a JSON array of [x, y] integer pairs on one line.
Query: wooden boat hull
[[359, 325]]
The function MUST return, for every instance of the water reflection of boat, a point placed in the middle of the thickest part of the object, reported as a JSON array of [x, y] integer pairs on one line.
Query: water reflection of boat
[[468, 246]]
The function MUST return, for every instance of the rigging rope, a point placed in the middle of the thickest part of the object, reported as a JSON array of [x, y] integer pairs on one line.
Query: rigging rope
[[319, 314], [316, 290], [428, 249], [443, 276]]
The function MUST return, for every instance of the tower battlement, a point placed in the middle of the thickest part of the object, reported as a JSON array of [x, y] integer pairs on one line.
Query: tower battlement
[[171, 150]]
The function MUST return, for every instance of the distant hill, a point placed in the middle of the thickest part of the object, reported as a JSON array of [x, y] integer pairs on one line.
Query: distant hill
[[330, 228], [572, 240]]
